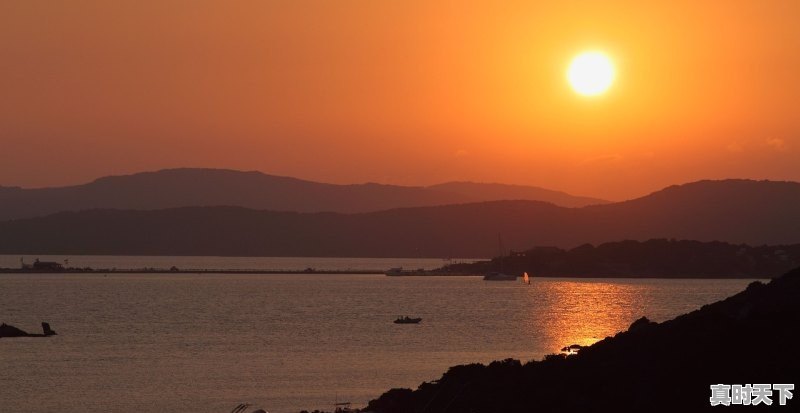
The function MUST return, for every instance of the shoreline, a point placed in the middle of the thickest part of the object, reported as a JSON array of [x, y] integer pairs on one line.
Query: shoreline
[[312, 271], [187, 271], [607, 375]]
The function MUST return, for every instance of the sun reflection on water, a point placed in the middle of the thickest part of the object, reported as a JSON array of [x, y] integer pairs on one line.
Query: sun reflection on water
[[582, 312]]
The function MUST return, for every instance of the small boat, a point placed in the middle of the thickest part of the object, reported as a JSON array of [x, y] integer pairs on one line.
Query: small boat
[[343, 407], [399, 271], [444, 271], [498, 276], [407, 320]]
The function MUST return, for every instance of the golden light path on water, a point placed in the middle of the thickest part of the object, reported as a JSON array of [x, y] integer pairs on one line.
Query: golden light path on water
[[583, 312], [153, 343]]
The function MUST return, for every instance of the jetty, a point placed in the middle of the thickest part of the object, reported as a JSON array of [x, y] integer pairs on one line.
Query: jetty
[[176, 270]]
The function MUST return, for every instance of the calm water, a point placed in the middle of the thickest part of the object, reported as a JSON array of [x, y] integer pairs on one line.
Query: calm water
[[203, 343]]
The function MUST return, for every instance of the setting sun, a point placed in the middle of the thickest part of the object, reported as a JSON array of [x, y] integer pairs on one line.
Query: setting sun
[[399, 206], [590, 73]]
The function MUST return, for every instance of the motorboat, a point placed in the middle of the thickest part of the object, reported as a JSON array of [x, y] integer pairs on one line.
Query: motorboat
[[407, 320]]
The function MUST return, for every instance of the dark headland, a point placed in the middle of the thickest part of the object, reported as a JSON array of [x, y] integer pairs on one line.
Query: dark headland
[[653, 367], [655, 258]]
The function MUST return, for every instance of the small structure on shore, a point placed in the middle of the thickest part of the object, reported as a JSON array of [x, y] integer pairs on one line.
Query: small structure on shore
[[42, 266], [572, 349]]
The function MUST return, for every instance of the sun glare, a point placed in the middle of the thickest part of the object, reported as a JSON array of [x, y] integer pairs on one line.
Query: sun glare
[[590, 73]]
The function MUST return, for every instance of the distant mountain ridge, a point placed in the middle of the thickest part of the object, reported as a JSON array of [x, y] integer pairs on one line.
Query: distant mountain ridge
[[174, 188], [735, 211]]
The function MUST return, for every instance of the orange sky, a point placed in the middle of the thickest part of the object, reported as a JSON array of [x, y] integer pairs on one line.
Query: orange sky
[[403, 92]]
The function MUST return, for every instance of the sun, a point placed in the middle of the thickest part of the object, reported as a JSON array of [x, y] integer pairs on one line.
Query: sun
[[591, 73]]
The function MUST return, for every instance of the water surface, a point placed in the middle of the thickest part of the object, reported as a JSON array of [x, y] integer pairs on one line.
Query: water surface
[[203, 343]]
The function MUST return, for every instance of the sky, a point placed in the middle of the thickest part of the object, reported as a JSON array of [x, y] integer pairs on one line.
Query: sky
[[401, 92]]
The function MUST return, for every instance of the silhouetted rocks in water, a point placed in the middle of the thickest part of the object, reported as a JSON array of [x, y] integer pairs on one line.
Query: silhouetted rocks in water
[[661, 367], [47, 330], [11, 331], [652, 258]]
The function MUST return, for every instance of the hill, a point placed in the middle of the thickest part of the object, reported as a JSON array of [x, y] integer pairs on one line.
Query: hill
[[173, 188], [653, 258], [740, 212], [661, 367], [499, 192]]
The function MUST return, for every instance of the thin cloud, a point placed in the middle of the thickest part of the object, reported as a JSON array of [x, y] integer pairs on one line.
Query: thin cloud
[[735, 147], [776, 143]]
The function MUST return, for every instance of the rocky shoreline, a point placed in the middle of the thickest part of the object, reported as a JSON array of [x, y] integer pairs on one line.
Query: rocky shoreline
[[654, 367]]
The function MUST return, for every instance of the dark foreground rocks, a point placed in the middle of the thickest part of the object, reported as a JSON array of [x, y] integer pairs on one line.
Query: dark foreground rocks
[[748, 338], [11, 331]]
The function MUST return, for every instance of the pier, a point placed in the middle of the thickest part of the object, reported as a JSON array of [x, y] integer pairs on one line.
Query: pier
[[175, 270]]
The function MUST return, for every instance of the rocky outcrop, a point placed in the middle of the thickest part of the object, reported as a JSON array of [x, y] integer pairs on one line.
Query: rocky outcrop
[[653, 367], [11, 331]]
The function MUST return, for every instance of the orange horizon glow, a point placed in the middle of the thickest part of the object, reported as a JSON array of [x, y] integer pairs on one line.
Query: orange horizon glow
[[409, 93]]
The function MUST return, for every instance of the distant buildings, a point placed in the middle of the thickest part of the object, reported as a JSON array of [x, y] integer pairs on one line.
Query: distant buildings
[[43, 266]]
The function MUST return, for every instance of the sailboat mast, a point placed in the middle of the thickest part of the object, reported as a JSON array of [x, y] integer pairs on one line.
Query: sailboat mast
[[500, 246]]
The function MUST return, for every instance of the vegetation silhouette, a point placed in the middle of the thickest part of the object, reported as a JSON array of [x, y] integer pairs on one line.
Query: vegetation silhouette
[[654, 367], [653, 258]]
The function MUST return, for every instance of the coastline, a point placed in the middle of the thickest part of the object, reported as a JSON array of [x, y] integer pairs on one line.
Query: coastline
[[621, 373], [367, 272]]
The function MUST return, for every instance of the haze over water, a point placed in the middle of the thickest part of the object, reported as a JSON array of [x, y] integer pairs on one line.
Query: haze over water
[[204, 343]]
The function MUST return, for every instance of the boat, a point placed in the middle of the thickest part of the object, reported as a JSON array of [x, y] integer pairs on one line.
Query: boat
[[400, 272], [407, 320], [499, 276], [343, 407]]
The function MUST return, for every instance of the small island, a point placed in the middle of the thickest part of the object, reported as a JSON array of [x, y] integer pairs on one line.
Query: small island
[[655, 258], [11, 331]]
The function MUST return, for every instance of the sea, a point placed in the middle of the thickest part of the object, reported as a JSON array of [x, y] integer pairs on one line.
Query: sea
[[137, 343]]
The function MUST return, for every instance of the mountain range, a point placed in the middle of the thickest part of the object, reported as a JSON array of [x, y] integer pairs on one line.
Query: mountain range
[[736, 211], [173, 188]]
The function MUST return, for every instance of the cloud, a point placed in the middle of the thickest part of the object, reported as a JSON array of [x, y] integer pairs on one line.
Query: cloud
[[776, 143], [734, 147]]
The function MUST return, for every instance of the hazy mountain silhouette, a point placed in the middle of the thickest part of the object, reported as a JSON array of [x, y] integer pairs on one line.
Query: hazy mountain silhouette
[[174, 188], [500, 192], [736, 211]]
